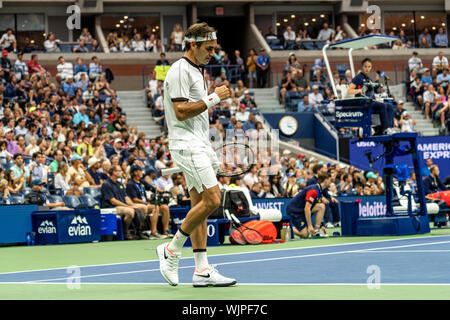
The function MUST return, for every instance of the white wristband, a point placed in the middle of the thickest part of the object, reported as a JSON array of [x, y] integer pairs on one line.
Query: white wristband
[[211, 100]]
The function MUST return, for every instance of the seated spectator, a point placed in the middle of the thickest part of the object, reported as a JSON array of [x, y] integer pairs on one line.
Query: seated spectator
[[439, 63], [304, 104], [8, 41], [34, 66], [289, 38], [65, 69], [433, 183], [338, 35], [96, 47], [63, 180], [300, 82], [138, 45], [114, 196], [177, 36], [69, 86], [83, 83], [85, 36], [287, 85], [51, 44], [250, 124], [80, 178], [416, 90], [319, 63], [291, 188], [441, 39], [95, 69], [240, 89], [326, 33], [427, 78], [291, 64], [425, 39], [443, 80], [430, 98], [79, 68], [398, 113], [271, 36], [315, 97], [248, 101], [80, 47], [20, 67], [407, 122], [11, 145], [257, 191]]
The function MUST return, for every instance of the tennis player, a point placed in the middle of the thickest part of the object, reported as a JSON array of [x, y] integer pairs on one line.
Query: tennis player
[[186, 104]]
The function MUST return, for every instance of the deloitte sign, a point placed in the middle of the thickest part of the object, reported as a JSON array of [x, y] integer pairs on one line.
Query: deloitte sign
[[372, 209]]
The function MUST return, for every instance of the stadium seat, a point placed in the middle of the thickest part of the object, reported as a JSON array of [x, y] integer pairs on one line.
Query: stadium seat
[[318, 45], [72, 202], [308, 45], [26, 190], [88, 202], [16, 199], [95, 193], [55, 198]]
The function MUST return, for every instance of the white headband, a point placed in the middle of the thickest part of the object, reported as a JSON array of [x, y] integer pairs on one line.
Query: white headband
[[206, 37]]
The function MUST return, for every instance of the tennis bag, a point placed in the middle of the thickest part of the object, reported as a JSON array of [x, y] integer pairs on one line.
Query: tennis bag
[[266, 228], [235, 201]]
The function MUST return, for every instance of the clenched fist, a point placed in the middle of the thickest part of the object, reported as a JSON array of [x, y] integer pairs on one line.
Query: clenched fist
[[223, 92]]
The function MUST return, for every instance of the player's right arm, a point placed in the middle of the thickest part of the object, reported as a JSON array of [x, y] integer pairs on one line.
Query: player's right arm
[[185, 110]]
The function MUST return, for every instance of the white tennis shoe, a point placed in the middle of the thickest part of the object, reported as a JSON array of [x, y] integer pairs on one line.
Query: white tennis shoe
[[210, 277], [168, 263]]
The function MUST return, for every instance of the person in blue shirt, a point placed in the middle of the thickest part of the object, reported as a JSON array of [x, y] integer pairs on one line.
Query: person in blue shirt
[[262, 68], [441, 39], [81, 116], [250, 123], [433, 183], [443, 80], [307, 202], [385, 110], [426, 78], [428, 41], [69, 86], [304, 105]]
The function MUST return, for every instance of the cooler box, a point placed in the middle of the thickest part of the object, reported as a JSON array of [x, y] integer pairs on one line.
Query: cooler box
[[66, 226]]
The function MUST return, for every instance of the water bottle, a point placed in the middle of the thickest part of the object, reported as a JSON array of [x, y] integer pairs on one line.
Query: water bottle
[[33, 235], [283, 231], [288, 232], [29, 239]]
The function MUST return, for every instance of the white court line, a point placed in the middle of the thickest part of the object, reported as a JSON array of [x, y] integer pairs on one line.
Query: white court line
[[237, 285], [246, 261], [237, 253], [408, 251]]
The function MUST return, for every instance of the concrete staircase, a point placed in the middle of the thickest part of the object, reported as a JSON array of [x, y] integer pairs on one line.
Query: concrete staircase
[[134, 105], [267, 100], [422, 124]]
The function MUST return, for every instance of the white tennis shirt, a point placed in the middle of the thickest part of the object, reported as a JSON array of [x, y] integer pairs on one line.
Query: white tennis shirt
[[184, 82]]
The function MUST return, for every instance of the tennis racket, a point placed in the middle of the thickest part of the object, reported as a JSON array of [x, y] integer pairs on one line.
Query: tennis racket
[[242, 234], [236, 159]]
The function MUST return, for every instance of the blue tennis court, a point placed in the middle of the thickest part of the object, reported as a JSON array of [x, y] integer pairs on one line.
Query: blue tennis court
[[420, 260]]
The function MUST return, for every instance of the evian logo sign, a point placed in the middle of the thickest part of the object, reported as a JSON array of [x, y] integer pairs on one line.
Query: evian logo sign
[[46, 227], [79, 227]]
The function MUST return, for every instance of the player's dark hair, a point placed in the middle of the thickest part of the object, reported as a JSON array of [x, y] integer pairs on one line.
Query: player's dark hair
[[322, 177], [317, 168], [366, 60], [197, 30]]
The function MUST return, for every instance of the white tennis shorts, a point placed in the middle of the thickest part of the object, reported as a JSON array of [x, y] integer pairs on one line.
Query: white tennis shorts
[[199, 166]]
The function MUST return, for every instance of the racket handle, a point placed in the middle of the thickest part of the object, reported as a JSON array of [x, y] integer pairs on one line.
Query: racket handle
[[235, 219], [170, 171], [227, 214]]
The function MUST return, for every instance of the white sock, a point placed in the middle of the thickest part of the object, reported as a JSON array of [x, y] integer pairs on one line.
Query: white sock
[[177, 241], [201, 260]]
